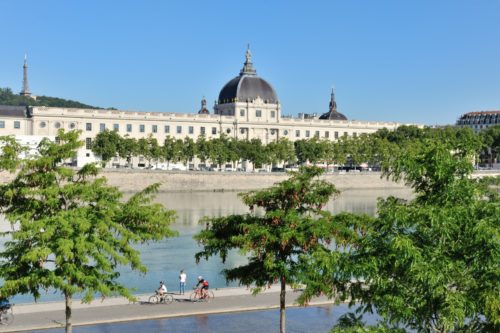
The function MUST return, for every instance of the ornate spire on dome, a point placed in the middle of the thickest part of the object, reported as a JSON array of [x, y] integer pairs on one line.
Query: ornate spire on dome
[[248, 66], [332, 113], [203, 109], [333, 104], [26, 88]]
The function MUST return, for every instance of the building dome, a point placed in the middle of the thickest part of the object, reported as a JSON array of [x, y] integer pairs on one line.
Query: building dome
[[332, 113], [247, 86]]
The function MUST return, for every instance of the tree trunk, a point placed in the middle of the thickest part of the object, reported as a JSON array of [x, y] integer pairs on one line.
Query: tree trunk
[[69, 301], [282, 305]]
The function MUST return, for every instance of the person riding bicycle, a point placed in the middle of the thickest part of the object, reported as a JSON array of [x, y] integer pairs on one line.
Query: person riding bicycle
[[162, 290], [203, 286]]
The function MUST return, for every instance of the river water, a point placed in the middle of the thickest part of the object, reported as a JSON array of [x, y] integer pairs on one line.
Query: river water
[[165, 259]]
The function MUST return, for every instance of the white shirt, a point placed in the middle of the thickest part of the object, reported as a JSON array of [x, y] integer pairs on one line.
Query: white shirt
[[182, 277], [163, 288]]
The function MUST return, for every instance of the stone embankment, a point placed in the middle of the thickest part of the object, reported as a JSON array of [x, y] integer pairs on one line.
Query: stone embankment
[[232, 181], [193, 181]]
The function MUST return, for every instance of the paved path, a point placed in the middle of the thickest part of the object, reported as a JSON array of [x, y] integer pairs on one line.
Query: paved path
[[51, 315]]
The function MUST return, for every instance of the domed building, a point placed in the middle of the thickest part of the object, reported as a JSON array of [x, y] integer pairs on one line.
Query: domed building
[[248, 97], [247, 108]]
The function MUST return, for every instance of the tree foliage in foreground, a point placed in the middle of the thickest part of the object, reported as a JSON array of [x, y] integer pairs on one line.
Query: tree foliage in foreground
[[286, 224], [70, 230], [430, 264], [352, 323]]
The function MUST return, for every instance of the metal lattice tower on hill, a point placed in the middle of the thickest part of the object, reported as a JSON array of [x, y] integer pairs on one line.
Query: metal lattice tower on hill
[[26, 88]]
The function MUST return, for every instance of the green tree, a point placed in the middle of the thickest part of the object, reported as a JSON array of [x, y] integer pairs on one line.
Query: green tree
[[218, 150], [312, 150], [150, 149], [281, 151], [293, 227], [127, 148], [431, 263], [255, 152], [105, 145], [7, 97], [72, 230], [10, 151], [351, 323], [202, 149], [234, 153], [171, 150], [156, 151], [143, 148], [188, 150]]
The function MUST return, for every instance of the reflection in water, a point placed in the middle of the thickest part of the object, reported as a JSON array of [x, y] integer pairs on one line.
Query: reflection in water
[[165, 259]]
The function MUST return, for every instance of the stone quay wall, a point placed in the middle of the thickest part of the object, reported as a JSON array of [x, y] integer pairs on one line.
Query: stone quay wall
[[231, 181], [182, 181], [192, 181]]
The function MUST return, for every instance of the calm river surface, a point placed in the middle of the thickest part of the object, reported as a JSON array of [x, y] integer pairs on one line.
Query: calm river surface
[[165, 259]]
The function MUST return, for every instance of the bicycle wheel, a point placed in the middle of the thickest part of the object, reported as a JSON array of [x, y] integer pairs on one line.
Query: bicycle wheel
[[6, 318], [194, 297], [153, 299], [210, 296], [167, 299]]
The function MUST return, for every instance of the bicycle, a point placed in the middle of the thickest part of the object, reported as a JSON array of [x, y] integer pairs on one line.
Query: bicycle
[[6, 315], [157, 299], [197, 295]]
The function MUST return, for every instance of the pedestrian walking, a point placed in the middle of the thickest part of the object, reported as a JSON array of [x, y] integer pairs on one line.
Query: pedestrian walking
[[182, 282]]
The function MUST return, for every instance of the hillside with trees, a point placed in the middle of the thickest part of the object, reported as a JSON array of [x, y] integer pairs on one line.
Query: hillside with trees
[[7, 97]]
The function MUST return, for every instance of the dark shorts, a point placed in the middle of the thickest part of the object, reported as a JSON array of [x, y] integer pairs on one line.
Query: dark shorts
[[204, 287]]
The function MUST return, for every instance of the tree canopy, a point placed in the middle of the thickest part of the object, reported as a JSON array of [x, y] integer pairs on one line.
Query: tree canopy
[[429, 264], [70, 230], [292, 227]]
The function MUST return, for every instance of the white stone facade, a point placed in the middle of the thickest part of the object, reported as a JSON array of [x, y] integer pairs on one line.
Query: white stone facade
[[46, 121]]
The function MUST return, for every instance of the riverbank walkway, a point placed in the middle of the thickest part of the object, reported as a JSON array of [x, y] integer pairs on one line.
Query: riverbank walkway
[[117, 309]]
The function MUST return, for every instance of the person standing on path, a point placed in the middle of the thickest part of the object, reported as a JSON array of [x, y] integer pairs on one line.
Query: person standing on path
[[182, 282]]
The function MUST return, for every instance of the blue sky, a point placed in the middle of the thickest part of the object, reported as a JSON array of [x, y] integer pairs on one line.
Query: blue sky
[[407, 61]]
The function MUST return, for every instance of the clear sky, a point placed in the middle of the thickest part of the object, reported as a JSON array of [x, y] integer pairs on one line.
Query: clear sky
[[423, 61]]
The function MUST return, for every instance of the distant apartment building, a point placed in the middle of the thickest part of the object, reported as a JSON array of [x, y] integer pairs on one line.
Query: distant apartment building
[[479, 120]]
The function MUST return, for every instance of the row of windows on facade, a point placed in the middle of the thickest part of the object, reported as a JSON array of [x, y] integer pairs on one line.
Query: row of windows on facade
[[154, 129], [43, 124], [17, 124], [477, 126], [258, 113], [477, 120]]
